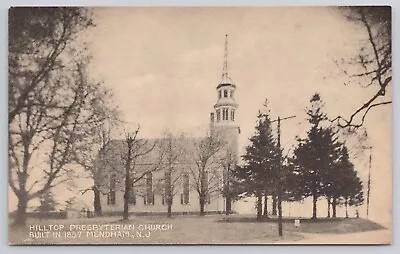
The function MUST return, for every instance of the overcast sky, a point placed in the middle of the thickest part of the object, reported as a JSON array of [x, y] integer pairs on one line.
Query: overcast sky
[[163, 65]]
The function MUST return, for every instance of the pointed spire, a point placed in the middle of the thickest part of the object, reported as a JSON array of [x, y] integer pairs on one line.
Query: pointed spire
[[225, 77]]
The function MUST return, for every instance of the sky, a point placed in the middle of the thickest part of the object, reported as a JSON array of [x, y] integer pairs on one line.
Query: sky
[[163, 66]]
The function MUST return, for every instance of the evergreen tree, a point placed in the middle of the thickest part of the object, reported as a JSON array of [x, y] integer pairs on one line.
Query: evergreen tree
[[351, 189], [261, 162], [315, 156], [47, 202]]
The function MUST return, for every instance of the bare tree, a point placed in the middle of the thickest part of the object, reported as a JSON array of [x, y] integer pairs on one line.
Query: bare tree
[[171, 148], [373, 61], [229, 191], [90, 154], [136, 165], [43, 133], [51, 100], [206, 174]]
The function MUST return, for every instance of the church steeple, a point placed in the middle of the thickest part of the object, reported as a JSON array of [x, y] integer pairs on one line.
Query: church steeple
[[225, 108], [223, 118], [225, 77]]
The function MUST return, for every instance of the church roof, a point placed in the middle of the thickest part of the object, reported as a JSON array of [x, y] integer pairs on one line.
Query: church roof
[[150, 151], [226, 84]]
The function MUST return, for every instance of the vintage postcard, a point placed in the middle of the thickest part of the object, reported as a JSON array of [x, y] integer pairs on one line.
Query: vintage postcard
[[200, 125]]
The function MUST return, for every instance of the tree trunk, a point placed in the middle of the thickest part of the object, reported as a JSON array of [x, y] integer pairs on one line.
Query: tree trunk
[[259, 205], [314, 214], [202, 202], [334, 208], [329, 206], [274, 204], [228, 205], [203, 190], [169, 210], [265, 206], [168, 191], [125, 215], [21, 215], [128, 179], [96, 201], [346, 205]]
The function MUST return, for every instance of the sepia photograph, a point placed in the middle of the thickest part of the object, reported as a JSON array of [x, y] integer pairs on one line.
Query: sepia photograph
[[200, 125]]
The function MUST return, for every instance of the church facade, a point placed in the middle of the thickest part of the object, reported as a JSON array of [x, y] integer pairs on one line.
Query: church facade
[[152, 160]]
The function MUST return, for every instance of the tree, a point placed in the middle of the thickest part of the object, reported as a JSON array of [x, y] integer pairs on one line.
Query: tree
[[172, 151], [47, 202], [373, 60], [57, 116], [231, 188], [262, 162], [41, 39], [69, 203], [351, 191], [136, 149], [89, 152], [315, 156], [52, 101], [206, 175]]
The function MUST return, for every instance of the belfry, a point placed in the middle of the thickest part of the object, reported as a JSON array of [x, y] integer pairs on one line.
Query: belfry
[[223, 119]]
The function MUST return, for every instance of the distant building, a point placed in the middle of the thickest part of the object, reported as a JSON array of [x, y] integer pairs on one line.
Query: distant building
[[148, 194]]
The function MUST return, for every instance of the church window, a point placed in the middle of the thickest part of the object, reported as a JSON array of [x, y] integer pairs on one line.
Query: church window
[[232, 93], [225, 93], [132, 195], [111, 194], [233, 115], [164, 198], [218, 115], [185, 195], [149, 195], [225, 114], [219, 94]]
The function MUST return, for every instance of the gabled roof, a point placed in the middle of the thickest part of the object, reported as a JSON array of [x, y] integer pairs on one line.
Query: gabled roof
[[150, 151]]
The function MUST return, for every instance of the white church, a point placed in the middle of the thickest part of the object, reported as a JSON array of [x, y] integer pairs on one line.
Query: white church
[[148, 194]]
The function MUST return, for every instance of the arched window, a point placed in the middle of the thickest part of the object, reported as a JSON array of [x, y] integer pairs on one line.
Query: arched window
[[225, 93], [233, 115]]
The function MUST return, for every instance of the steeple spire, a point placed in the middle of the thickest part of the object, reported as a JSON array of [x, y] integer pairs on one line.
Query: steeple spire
[[225, 108], [225, 78]]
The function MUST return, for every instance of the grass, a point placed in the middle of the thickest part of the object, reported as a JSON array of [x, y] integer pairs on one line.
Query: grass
[[213, 229], [317, 226]]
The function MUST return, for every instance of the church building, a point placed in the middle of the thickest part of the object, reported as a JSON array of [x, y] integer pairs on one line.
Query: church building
[[181, 159]]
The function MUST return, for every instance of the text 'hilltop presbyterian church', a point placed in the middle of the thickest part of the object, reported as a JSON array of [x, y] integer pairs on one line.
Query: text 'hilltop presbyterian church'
[[175, 170]]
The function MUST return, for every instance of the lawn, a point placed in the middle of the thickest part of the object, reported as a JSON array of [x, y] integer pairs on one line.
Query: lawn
[[316, 226], [215, 229]]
